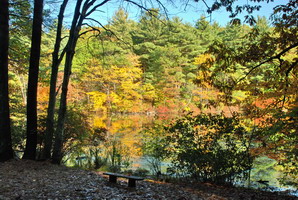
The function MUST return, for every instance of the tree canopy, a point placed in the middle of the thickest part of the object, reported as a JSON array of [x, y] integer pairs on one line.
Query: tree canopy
[[152, 65]]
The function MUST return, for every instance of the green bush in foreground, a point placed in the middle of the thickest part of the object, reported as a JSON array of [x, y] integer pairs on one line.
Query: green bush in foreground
[[211, 148]]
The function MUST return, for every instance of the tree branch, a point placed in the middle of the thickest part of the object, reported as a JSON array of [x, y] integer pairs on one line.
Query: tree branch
[[138, 5], [209, 9], [164, 8], [269, 60], [95, 7], [87, 31], [291, 67], [108, 30], [61, 56]]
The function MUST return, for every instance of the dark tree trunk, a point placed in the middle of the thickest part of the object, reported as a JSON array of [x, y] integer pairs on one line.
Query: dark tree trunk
[[6, 152], [31, 143], [70, 51], [52, 97]]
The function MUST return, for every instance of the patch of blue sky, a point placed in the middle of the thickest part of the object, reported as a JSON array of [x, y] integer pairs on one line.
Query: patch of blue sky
[[188, 11]]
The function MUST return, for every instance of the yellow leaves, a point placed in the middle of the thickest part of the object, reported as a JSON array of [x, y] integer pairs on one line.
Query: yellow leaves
[[99, 122], [115, 98], [128, 83], [202, 77], [117, 87], [187, 109], [239, 95], [126, 73], [204, 62], [98, 99], [149, 91], [206, 59]]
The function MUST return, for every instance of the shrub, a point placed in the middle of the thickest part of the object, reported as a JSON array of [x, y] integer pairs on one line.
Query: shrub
[[211, 148], [153, 147], [141, 172]]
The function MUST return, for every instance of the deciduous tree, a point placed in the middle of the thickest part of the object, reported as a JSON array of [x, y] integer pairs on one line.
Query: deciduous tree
[[56, 60]]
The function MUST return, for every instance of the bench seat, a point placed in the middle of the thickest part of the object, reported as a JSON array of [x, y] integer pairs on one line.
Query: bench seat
[[131, 179]]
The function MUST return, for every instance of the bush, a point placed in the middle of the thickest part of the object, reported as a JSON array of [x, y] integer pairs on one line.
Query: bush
[[153, 147], [118, 154], [209, 148], [141, 172]]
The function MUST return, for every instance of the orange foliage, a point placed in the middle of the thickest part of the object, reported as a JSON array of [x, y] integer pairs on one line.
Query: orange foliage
[[42, 98], [263, 103]]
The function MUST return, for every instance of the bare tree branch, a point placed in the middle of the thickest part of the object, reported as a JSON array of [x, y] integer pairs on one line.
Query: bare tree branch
[[106, 29], [61, 56], [164, 8], [89, 30], [206, 6], [138, 5], [95, 7]]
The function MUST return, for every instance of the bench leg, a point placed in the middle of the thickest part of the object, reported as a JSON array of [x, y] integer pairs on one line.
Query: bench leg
[[113, 179], [131, 183]]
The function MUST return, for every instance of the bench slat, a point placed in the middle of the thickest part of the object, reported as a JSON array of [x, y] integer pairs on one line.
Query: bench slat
[[123, 176]]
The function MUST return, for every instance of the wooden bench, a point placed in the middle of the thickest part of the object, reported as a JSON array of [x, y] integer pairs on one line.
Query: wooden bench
[[131, 179]]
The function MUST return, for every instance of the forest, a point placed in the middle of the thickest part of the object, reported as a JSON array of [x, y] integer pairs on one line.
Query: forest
[[233, 88]]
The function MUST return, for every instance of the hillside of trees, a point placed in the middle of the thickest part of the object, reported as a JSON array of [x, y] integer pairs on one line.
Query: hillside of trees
[[234, 86]]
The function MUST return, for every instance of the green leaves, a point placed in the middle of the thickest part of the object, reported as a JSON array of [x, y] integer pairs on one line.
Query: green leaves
[[209, 147]]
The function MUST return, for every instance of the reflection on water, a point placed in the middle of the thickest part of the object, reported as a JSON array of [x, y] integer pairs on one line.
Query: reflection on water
[[126, 130], [128, 127], [265, 175]]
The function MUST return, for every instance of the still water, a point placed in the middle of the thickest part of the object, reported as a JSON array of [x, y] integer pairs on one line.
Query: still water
[[127, 129]]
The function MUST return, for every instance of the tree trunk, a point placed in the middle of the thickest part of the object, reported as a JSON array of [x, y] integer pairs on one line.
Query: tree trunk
[[31, 143], [74, 34], [6, 152], [52, 97], [70, 51]]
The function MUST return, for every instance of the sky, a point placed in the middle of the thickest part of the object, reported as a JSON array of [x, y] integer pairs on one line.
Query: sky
[[195, 10], [189, 13]]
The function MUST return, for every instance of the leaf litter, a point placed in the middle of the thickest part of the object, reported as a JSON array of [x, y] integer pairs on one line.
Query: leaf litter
[[25, 180]]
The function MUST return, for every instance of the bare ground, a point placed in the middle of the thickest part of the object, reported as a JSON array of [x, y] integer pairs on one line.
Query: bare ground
[[42, 180]]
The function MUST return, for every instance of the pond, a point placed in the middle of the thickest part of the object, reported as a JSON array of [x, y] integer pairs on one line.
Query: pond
[[124, 133]]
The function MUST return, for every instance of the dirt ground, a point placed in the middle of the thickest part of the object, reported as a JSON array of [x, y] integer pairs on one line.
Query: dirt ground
[[42, 180]]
